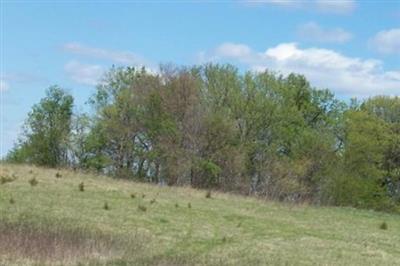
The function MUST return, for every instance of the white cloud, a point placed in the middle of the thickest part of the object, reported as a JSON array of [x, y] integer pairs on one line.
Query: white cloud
[[323, 67], [233, 50], [4, 86], [312, 31], [387, 41], [336, 6], [283, 3], [121, 57], [84, 73], [340, 7]]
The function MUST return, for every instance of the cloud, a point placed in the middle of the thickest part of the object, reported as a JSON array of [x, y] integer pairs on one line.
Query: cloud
[[336, 6], [323, 67], [339, 7], [283, 3], [387, 41], [24, 78], [233, 50], [121, 57], [4, 86], [312, 31], [84, 73]]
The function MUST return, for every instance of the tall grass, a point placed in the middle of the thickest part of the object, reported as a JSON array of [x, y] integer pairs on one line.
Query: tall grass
[[42, 242]]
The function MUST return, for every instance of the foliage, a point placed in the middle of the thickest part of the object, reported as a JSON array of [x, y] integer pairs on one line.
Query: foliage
[[47, 131], [214, 127]]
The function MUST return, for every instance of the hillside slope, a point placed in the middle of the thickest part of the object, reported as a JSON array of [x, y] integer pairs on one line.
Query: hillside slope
[[115, 222]]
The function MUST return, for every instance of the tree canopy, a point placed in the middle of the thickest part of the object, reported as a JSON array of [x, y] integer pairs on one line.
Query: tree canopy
[[213, 127]]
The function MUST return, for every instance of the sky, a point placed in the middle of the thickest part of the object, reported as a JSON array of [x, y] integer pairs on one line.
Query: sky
[[351, 47]]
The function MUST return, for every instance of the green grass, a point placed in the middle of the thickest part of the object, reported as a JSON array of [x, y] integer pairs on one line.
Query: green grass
[[177, 226]]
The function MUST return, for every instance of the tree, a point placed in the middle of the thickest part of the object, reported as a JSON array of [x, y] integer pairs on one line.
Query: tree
[[47, 131], [361, 180], [212, 126], [387, 109]]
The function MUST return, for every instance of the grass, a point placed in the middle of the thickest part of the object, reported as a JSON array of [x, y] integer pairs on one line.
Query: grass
[[54, 223]]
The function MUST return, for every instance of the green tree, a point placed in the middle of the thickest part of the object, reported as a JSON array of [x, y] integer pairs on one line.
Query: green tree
[[361, 181], [47, 131]]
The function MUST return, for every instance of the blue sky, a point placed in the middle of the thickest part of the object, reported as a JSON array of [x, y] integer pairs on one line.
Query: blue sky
[[350, 47]]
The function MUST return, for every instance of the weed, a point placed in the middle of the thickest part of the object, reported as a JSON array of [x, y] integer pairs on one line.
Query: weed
[[106, 207], [152, 201], [6, 179], [142, 208], [81, 186], [33, 182], [383, 226], [189, 205], [208, 194], [176, 205], [133, 195], [58, 175], [163, 220], [143, 195], [12, 201]]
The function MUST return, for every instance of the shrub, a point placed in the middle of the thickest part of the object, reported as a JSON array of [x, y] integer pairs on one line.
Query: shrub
[[142, 208], [81, 186], [383, 226], [163, 220], [6, 179], [350, 190], [33, 182]]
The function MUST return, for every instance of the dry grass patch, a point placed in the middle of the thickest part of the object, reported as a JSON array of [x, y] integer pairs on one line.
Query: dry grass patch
[[51, 244]]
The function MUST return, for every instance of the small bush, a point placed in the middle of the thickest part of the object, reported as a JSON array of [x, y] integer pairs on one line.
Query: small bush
[[58, 175], [152, 201], [163, 220], [6, 179], [33, 182], [142, 208], [81, 186], [106, 207], [12, 201], [208, 194], [383, 226], [133, 195]]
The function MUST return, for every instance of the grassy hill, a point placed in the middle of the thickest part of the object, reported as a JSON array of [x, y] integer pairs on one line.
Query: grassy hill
[[46, 218]]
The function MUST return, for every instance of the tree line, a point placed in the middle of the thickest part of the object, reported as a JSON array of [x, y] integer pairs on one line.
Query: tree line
[[214, 127]]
